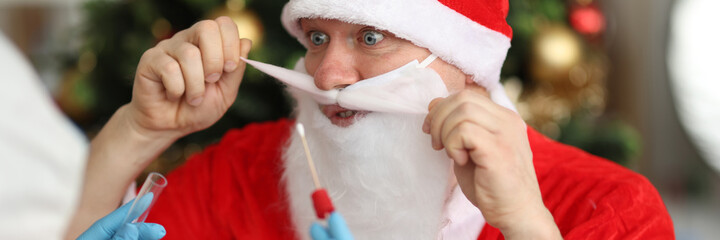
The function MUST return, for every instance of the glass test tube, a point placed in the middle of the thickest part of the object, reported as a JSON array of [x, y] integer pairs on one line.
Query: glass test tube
[[154, 183]]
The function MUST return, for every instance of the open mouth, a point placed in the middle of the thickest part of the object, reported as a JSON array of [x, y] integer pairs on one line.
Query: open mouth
[[340, 116]]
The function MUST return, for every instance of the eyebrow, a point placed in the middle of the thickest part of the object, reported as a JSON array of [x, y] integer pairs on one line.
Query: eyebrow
[[372, 28], [309, 24]]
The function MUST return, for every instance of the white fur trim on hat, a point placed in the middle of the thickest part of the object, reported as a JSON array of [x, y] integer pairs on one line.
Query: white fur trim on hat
[[458, 40]]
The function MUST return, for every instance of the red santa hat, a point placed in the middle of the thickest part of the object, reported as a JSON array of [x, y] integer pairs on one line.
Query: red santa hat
[[470, 34]]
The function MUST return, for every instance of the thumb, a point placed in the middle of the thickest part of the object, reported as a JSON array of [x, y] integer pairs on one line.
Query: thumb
[[138, 207]]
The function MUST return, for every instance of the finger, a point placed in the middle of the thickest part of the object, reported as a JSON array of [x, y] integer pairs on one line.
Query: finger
[[102, 229], [139, 207], [469, 112], [436, 117], [190, 60], [433, 103], [207, 37], [465, 176], [171, 75], [463, 147], [150, 231], [338, 227], [478, 89], [149, 76], [230, 41], [426, 123], [128, 231], [231, 81], [442, 109], [107, 226], [317, 232]]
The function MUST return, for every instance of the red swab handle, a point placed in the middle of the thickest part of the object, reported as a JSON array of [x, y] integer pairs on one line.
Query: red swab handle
[[323, 205]]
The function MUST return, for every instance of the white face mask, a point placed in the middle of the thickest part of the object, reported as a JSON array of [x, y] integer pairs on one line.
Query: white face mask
[[408, 89]]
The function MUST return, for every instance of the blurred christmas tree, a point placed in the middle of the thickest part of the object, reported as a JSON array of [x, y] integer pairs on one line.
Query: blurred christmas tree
[[556, 68], [116, 33]]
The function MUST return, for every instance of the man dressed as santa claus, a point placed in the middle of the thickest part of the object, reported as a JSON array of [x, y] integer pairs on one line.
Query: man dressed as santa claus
[[463, 166]]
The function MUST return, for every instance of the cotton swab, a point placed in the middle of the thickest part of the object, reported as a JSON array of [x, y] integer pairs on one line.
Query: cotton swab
[[301, 130], [321, 200]]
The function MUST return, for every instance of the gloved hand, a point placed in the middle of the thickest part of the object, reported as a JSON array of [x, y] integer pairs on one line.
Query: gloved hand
[[336, 230], [112, 227]]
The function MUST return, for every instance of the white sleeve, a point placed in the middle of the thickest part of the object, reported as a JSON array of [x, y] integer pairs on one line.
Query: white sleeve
[[42, 155], [692, 61]]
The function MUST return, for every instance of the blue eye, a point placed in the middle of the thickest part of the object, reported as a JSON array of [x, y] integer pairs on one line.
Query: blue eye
[[372, 37], [318, 38]]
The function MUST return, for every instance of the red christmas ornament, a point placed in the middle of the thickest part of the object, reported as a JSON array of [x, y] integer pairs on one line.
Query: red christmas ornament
[[587, 20]]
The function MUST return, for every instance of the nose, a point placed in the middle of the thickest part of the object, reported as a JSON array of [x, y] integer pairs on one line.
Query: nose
[[337, 68]]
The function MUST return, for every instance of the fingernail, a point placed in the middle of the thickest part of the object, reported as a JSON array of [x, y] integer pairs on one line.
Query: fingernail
[[196, 101], [213, 77], [426, 127], [230, 66], [160, 229]]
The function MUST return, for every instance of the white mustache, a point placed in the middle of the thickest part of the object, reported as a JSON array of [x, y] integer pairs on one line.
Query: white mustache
[[408, 89]]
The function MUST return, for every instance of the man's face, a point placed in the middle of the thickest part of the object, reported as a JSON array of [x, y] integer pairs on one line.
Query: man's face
[[340, 54]]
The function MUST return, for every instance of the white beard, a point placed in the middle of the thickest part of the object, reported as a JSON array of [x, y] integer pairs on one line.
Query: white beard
[[381, 173]]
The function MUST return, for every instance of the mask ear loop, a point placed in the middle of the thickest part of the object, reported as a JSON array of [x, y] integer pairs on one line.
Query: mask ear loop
[[427, 61]]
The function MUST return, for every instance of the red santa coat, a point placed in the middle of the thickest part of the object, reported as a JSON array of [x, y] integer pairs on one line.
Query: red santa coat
[[233, 190]]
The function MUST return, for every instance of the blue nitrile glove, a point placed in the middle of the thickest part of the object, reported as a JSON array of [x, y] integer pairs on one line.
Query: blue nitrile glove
[[337, 229], [112, 227]]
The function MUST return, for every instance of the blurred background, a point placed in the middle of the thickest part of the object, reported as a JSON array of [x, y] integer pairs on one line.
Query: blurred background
[[631, 81]]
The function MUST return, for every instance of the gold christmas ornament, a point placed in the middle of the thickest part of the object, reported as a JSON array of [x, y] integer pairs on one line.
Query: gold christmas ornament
[[248, 23], [547, 105], [555, 50]]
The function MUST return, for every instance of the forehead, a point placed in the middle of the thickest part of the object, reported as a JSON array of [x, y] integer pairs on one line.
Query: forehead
[[316, 22], [309, 24]]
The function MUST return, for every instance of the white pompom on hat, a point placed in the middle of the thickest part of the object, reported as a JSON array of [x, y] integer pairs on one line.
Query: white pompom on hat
[[473, 35]]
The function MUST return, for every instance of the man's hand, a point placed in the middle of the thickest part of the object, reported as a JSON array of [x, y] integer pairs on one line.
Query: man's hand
[[186, 83], [113, 227], [493, 162], [182, 85]]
